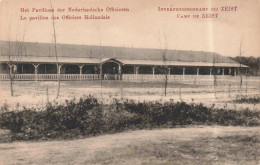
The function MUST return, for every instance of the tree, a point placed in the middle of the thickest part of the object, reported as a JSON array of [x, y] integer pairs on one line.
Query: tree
[[214, 72], [14, 52], [165, 67], [100, 57], [252, 62], [55, 51], [240, 54]]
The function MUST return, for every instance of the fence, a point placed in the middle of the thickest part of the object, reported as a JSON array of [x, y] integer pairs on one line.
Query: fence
[[50, 77], [181, 79], [192, 79]]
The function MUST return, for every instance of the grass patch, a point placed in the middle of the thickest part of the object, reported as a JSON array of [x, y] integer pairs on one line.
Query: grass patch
[[247, 99], [235, 149], [90, 117]]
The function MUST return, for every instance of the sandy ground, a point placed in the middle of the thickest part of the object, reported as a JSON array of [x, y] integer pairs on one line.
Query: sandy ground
[[32, 94], [89, 150], [121, 148]]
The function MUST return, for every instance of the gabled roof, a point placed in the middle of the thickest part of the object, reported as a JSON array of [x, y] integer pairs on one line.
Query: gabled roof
[[68, 53]]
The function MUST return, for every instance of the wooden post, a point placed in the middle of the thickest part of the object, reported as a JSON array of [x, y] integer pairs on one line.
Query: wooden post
[[58, 70], [80, 71], [100, 72], [198, 70], [210, 71], [11, 70], [223, 72], [218, 72], [119, 71], [153, 68], [169, 71], [36, 71], [183, 73], [136, 71]]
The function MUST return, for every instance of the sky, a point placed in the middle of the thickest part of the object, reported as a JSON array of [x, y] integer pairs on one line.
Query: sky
[[143, 26]]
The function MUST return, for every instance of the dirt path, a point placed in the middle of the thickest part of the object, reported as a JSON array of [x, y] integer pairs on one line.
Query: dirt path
[[81, 151]]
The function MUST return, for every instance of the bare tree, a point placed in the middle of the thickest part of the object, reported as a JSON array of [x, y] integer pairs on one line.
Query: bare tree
[[165, 68], [214, 70], [55, 50], [214, 74], [240, 54], [14, 52], [10, 63], [100, 57]]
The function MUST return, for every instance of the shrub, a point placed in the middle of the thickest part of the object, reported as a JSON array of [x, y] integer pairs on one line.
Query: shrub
[[246, 99], [90, 117]]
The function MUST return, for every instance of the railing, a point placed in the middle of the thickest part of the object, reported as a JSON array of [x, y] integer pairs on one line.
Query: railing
[[161, 76], [79, 77], [50, 77], [192, 79], [182, 79]]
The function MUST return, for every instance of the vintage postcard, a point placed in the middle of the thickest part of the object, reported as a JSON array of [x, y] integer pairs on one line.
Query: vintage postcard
[[130, 82]]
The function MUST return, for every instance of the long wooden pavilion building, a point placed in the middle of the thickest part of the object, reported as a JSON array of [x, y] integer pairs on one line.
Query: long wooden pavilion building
[[30, 61]]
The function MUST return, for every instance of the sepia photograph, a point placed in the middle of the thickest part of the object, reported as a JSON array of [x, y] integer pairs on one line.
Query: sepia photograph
[[120, 82]]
